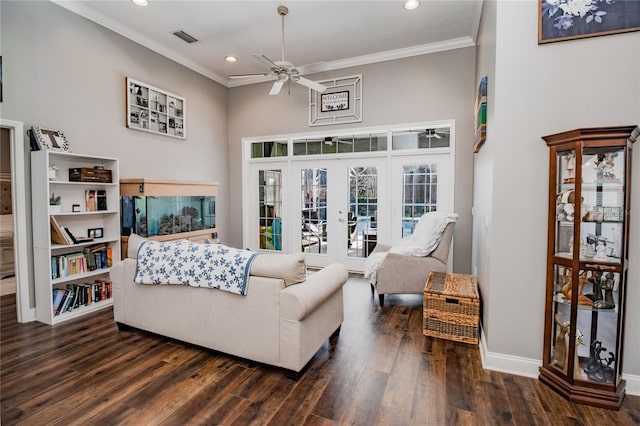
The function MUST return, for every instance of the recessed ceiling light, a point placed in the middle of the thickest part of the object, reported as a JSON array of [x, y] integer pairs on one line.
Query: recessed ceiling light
[[230, 58], [141, 2], [411, 4]]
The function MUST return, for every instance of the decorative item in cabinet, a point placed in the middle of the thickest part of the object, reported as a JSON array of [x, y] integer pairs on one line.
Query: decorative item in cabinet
[[68, 263], [166, 210], [155, 110], [587, 262]]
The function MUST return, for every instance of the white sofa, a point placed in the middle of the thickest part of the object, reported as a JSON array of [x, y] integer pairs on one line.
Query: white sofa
[[277, 323]]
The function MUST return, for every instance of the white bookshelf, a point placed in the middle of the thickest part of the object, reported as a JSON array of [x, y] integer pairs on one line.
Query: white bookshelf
[[78, 222]]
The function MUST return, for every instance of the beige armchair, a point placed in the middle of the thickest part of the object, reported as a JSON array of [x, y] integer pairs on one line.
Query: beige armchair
[[401, 274]]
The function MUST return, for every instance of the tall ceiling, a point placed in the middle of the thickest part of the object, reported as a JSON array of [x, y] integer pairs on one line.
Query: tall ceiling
[[319, 35]]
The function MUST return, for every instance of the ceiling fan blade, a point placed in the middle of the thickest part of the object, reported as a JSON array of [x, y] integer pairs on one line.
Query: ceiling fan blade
[[277, 86], [268, 62], [310, 84], [266, 74]]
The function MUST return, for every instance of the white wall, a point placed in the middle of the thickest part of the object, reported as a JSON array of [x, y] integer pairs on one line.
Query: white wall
[[540, 90], [437, 86], [64, 72], [483, 162]]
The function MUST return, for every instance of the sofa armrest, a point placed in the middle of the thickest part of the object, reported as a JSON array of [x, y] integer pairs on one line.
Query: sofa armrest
[[298, 301]]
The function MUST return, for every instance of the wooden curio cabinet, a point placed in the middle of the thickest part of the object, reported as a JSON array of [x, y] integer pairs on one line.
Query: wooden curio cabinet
[[587, 262]]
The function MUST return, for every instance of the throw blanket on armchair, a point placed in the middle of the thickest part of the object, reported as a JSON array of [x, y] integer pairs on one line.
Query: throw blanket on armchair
[[197, 265], [424, 240]]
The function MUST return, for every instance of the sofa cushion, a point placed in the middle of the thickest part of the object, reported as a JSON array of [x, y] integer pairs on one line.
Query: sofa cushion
[[132, 245], [289, 267]]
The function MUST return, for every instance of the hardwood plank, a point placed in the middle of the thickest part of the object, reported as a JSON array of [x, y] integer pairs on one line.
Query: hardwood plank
[[521, 394], [461, 392], [430, 396], [366, 400], [455, 416], [495, 408]]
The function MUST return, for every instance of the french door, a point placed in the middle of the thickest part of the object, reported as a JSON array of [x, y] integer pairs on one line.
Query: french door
[[337, 204], [334, 198]]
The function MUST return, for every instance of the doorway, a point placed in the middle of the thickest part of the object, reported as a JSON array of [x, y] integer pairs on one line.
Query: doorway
[[338, 208], [25, 312]]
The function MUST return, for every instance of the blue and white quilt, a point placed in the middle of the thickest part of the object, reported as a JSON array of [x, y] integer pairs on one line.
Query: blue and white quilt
[[191, 264]]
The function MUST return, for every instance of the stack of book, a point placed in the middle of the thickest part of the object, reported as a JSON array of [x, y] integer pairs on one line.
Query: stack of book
[[76, 295], [93, 257]]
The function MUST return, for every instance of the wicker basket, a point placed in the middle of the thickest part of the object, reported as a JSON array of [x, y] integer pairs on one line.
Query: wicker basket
[[451, 307]]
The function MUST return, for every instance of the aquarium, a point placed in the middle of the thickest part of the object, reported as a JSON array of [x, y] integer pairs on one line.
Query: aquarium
[[149, 216]]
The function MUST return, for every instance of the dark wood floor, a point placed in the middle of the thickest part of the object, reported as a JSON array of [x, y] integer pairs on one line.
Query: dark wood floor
[[380, 370]]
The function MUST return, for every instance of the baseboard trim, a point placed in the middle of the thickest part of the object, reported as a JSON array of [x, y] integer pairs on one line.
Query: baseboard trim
[[633, 384], [507, 363], [529, 367]]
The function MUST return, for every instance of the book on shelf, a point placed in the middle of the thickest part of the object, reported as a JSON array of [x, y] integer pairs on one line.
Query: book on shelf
[[65, 296], [101, 199], [58, 235], [96, 199], [58, 295], [67, 301], [73, 239]]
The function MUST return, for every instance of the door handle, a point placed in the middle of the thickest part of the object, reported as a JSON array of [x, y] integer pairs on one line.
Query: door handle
[[341, 220]]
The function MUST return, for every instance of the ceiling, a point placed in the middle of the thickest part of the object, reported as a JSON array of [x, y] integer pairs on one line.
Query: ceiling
[[319, 35]]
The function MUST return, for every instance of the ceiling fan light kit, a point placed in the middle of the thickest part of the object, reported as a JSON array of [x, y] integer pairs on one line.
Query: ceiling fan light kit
[[283, 71]]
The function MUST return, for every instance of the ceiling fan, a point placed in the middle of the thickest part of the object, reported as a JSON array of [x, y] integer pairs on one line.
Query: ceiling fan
[[433, 133], [332, 140], [282, 70]]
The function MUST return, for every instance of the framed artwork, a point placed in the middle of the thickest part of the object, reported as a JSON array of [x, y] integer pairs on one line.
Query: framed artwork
[[340, 103], [560, 20], [155, 110], [481, 115], [53, 140], [336, 101]]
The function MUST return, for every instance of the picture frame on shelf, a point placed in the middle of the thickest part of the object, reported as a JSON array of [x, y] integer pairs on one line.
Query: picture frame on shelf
[[49, 139], [95, 232], [574, 19], [155, 110]]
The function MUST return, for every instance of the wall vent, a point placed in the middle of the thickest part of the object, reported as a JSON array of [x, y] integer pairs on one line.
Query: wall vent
[[184, 36]]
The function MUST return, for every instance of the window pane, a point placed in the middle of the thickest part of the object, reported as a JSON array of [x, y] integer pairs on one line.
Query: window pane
[[363, 211], [421, 138], [419, 195], [270, 206], [313, 184]]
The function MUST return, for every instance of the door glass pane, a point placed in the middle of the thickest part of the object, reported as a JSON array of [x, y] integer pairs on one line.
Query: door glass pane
[[438, 137], [420, 194], [268, 149], [313, 237], [340, 144], [363, 211], [270, 205]]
